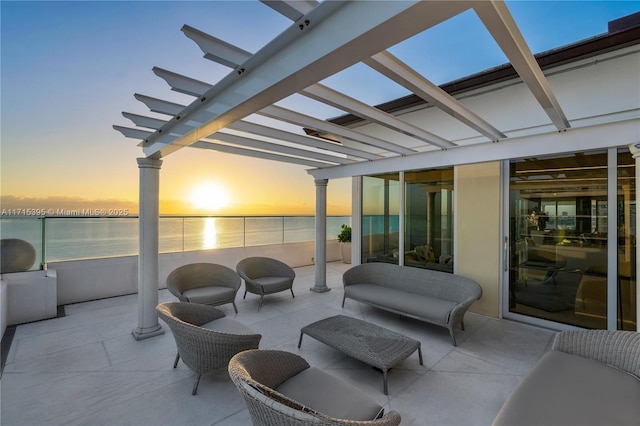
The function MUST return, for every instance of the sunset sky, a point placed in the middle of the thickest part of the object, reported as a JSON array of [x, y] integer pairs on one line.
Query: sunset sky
[[69, 69]]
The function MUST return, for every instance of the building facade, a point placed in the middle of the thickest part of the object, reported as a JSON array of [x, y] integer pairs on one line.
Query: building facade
[[546, 219]]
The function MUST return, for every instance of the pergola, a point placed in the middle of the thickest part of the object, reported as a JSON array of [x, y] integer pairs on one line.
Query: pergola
[[324, 39]]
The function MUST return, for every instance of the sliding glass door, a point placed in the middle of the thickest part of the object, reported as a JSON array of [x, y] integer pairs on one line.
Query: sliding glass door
[[572, 239]]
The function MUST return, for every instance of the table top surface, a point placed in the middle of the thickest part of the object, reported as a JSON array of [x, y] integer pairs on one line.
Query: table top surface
[[367, 342]]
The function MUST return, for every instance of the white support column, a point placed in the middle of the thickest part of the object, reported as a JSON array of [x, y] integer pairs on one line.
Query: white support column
[[148, 249], [356, 220], [635, 151], [321, 237]]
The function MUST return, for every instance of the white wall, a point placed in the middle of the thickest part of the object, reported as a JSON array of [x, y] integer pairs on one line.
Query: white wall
[[4, 304], [29, 296], [83, 280]]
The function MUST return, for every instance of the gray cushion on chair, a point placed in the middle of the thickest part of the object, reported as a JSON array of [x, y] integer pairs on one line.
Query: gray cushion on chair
[[574, 391], [329, 395], [229, 326], [206, 294], [274, 284]]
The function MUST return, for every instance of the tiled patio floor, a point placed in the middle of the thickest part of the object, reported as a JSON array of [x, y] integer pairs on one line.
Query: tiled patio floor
[[86, 368]]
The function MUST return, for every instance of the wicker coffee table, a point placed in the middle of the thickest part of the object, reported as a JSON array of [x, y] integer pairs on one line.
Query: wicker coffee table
[[366, 342]]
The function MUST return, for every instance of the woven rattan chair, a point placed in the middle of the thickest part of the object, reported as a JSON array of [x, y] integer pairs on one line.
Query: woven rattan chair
[[206, 283], [205, 337], [264, 275], [257, 374]]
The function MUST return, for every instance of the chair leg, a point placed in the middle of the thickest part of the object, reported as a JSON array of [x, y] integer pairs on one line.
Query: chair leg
[[245, 294], [175, 363], [344, 297], [453, 337], [261, 299], [195, 386], [462, 324], [235, 307], [292, 295]]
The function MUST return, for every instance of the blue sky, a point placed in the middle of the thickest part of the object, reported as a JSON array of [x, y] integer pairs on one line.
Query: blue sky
[[70, 68]]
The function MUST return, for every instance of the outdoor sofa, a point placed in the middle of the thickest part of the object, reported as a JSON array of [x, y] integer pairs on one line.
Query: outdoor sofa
[[436, 297], [589, 377]]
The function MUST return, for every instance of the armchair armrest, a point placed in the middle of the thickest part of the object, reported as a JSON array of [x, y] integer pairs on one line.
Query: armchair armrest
[[620, 349]]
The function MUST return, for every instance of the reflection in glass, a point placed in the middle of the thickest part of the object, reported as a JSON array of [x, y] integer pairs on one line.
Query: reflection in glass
[[429, 219], [380, 225], [559, 239]]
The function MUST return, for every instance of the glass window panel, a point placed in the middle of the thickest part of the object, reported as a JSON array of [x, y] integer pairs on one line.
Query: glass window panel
[[626, 208], [429, 219], [380, 224], [558, 238]]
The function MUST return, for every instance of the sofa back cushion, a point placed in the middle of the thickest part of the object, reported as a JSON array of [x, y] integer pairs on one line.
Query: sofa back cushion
[[427, 282]]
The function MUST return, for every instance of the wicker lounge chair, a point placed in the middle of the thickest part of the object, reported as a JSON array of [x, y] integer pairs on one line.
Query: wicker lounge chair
[[281, 389], [263, 275], [206, 283], [205, 337]]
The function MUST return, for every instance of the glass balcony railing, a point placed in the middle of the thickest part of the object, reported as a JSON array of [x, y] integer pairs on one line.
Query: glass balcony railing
[[74, 238]]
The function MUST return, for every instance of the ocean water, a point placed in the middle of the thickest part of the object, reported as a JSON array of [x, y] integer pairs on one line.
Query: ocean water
[[60, 239]]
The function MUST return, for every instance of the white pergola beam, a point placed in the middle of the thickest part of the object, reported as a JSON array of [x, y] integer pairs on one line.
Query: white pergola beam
[[268, 146], [154, 123], [396, 70], [205, 144], [190, 86], [159, 105], [294, 117], [128, 132], [498, 20], [215, 49], [206, 42], [144, 121], [182, 84], [270, 132], [341, 101], [338, 35], [256, 154], [292, 9]]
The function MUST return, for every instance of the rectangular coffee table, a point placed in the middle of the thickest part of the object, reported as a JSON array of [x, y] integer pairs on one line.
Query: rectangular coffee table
[[366, 342]]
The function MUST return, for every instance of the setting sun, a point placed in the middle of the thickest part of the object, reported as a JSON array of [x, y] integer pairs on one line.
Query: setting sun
[[210, 196]]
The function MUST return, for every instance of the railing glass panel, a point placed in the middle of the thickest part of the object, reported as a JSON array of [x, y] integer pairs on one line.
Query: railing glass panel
[[76, 238]]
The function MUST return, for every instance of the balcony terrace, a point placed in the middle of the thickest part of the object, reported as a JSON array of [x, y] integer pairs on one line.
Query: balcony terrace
[[86, 368]]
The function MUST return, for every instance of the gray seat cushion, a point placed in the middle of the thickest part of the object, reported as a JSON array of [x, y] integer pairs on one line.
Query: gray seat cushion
[[274, 284], [229, 326], [210, 294], [330, 395], [409, 303], [565, 389]]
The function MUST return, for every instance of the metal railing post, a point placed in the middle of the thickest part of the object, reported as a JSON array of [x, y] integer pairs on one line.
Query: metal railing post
[[43, 241]]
